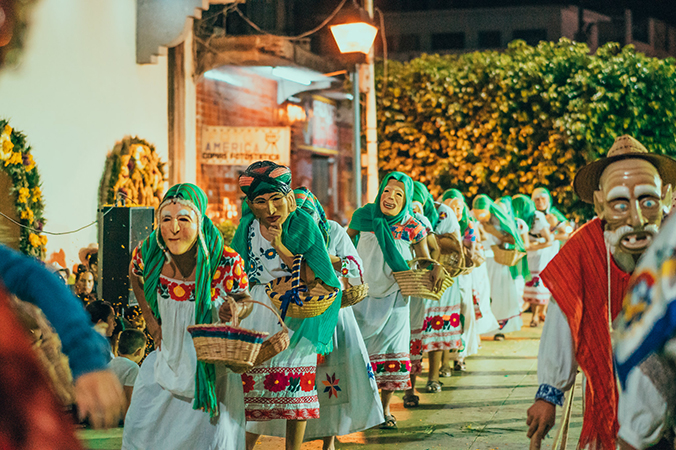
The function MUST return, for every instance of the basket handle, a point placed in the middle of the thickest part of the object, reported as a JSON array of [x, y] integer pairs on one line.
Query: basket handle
[[233, 311], [415, 260], [292, 294], [281, 321], [354, 260]]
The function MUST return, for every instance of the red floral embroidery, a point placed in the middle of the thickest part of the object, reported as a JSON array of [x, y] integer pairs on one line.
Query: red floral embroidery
[[276, 382], [179, 291], [455, 320], [393, 366], [248, 382], [307, 382], [437, 322], [416, 347]]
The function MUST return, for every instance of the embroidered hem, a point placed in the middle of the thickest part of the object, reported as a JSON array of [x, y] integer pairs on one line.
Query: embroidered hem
[[395, 385], [272, 414], [550, 394]]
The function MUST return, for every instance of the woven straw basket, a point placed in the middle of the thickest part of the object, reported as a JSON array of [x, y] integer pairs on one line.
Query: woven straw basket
[[506, 257], [302, 302], [276, 343], [354, 294], [455, 262], [418, 283], [228, 345]]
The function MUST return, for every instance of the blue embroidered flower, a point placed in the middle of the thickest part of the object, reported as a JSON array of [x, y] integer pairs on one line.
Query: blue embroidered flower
[[270, 253], [369, 370], [550, 394]]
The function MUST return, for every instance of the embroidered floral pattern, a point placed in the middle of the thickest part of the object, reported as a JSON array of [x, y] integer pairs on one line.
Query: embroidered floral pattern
[[455, 320], [412, 230], [369, 370], [307, 382], [276, 382], [416, 347], [270, 253], [248, 383], [331, 384]]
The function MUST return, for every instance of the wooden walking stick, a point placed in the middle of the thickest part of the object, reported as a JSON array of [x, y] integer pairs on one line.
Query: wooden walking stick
[[561, 439]]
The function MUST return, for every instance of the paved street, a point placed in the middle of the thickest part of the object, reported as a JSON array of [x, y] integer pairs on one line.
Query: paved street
[[481, 409]]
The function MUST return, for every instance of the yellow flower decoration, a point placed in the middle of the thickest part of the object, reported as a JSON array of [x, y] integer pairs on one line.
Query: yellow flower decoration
[[14, 159], [24, 194], [27, 214], [6, 148], [8, 130], [43, 239], [34, 240], [37, 193]]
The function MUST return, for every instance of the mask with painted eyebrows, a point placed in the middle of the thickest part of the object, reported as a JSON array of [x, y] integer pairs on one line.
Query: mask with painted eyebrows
[[630, 201]]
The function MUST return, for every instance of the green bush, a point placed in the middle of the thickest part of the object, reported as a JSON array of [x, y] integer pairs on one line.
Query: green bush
[[505, 122]]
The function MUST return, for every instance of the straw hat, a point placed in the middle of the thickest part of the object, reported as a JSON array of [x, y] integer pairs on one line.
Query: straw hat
[[84, 253], [625, 147]]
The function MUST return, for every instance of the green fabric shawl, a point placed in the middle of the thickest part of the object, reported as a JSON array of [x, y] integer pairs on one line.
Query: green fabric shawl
[[209, 251], [308, 202], [552, 209], [370, 218], [508, 226], [301, 235], [422, 194], [521, 268], [453, 194], [524, 208]]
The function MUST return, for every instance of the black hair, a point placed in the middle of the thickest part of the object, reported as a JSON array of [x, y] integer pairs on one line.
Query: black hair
[[99, 311], [81, 268], [130, 341], [93, 258]]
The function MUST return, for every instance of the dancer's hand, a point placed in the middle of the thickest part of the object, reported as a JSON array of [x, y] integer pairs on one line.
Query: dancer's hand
[[100, 398], [541, 419], [437, 276], [275, 233]]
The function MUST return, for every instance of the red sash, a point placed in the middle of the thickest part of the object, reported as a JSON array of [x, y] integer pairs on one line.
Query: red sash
[[578, 280]]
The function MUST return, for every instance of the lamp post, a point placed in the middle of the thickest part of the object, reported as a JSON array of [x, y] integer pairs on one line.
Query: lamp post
[[354, 36]]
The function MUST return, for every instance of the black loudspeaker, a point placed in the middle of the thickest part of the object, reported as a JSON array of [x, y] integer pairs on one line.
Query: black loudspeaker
[[121, 229]]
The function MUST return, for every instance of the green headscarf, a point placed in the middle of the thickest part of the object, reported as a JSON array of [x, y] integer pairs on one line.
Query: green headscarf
[[422, 194], [308, 202], [456, 194], [551, 209], [524, 208], [209, 251], [301, 235], [370, 218], [508, 226]]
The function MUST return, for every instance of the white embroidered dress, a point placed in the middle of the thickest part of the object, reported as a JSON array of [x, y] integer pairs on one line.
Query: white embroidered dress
[[347, 389], [437, 325], [383, 316], [284, 386], [160, 416]]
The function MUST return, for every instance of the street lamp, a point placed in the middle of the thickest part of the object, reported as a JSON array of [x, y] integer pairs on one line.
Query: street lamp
[[354, 35], [357, 32]]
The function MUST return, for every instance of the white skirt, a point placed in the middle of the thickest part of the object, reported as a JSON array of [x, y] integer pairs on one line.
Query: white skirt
[[470, 337], [160, 420], [347, 390], [385, 326], [482, 289], [505, 302]]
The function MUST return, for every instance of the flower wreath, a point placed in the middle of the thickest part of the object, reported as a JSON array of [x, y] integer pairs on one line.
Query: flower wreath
[[134, 170], [17, 162]]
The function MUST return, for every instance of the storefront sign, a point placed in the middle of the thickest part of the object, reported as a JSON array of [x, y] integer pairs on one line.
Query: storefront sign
[[321, 133], [241, 146]]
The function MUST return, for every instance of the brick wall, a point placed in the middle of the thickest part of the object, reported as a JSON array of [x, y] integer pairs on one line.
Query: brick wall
[[254, 103]]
